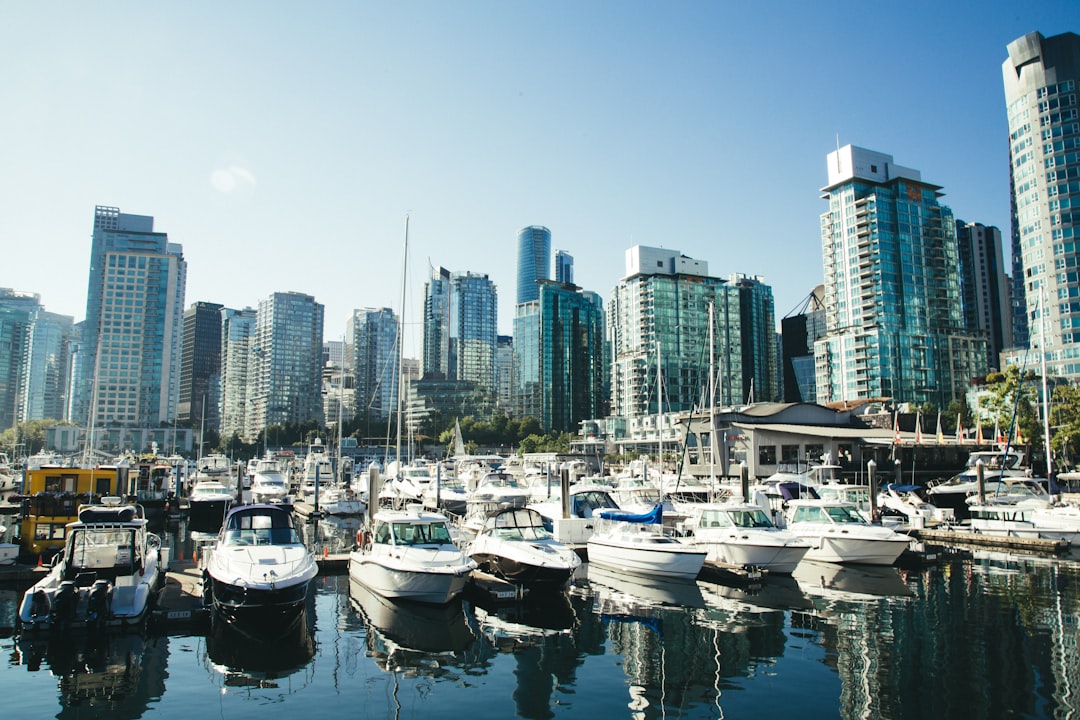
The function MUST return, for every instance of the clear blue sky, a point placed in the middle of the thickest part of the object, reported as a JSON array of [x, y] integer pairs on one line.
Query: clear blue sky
[[282, 144]]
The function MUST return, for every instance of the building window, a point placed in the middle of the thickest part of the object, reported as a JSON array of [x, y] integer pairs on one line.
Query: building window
[[767, 455], [789, 453]]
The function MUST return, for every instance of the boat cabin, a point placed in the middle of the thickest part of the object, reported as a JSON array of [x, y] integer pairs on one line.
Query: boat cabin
[[54, 496]]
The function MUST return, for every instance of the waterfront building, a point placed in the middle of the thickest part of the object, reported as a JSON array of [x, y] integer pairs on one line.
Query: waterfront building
[[533, 261], [559, 357], [237, 331], [892, 288], [757, 320], [286, 362], [200, 365], [799, 331], [371, 337], [1041, 77], [984, 287], [35, 359], [130, 351]]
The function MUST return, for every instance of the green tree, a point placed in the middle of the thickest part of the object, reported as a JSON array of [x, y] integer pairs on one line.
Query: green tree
[[1065, 424], [1010, 393]]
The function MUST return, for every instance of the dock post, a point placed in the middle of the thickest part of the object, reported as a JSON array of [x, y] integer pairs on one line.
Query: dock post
[[871, 473], [980, 477], [564, 484], [744, 481]]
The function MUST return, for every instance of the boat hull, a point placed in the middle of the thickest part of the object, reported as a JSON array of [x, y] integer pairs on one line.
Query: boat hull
[[276, 608], [429, 585], [864, 551], [675, 562], [523, 572], [778, 558]]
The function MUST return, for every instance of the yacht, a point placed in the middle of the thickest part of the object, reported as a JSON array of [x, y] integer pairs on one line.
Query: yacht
[[513, 544], [636, 543], [952, 493], [109, 573], [410, 554], [742, 535], [837, 532], [207, 504], [258, 572], [268, 483]]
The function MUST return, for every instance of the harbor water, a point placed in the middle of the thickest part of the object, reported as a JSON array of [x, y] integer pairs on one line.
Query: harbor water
[[979, 634]]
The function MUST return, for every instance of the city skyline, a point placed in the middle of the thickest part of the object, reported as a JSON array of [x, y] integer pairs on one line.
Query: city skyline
[[291, 167]]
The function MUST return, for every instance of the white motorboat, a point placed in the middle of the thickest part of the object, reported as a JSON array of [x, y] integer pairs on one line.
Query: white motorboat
[[409, 554], [513, 544], [208, 503], [635, 543], [335, 499], [258, 572], [952, 493], [575, 523], [9, 551], [837, 532], [446, 494], [1027, 518], [268, 483], [741, 534], [907, 506], [496, 490], [109, 573]]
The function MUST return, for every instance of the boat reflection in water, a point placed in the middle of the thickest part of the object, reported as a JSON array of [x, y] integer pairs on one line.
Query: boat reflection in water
[[637, 589], [834, 581], [245, 659], [402, 633], [106, 672]]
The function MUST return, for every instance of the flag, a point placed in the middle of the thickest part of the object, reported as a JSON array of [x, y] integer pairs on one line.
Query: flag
[[918, 428], [940, 435], [997, 433], [896, 428], [1018, 437], [978, 433], [959, 430]]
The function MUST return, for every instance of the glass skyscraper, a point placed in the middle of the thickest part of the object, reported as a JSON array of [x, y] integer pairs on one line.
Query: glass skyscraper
[[286, 367], [1041, 75], [559, 357], [460, 327], [200, 365], [658, 318], [237, 332], [534, 261], [894, 326], [371, 338], [129, 357]]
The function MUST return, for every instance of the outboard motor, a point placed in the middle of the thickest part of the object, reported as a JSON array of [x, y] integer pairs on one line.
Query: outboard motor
[[64, 605], [40, 607], [99, 607]]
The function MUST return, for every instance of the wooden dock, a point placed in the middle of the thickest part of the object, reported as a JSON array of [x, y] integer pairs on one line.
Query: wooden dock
[[1004, 542], [726, 573]]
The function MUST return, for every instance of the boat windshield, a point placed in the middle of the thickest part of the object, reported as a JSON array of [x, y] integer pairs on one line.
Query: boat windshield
[[839, 514], [413, 533], [262, 536]]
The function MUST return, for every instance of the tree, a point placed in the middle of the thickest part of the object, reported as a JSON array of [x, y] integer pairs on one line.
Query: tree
[[1065, 424], [1012, 395]]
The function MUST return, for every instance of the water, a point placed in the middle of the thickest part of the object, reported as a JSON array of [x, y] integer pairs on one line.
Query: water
[[984, 636]]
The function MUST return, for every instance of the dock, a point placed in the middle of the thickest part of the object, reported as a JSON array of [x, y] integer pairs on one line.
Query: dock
[[728, 574], [1005, 542]]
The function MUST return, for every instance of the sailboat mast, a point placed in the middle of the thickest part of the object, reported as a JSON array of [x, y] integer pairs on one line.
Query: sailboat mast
[[400, 348], [712, 403], [659, 412], [1046, 398]]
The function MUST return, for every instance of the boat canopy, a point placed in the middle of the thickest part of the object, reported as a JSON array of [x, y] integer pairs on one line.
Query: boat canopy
[[653, 517]]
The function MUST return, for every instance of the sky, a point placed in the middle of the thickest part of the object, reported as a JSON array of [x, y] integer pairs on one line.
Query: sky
[[283, 144]]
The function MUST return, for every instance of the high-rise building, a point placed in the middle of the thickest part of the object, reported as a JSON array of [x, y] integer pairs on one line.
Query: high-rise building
[[533, 261], [200, 365], [1041, 75], [658, 322], [799, 331], [130, 351], [559, 357], [564, 267], [892, 288], [757, 318], [984, 287], [286, 363], [504, 373], [371, 337], [436, 357], [237, 333]]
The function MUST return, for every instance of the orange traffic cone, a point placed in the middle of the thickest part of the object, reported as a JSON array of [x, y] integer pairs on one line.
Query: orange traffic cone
[[325, 552]]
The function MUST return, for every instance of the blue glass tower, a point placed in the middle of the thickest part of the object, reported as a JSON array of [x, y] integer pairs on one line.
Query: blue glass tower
[[534, 253]]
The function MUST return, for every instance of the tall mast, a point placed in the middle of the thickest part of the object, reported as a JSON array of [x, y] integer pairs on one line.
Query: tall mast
[[659, 412], [1046, 398], [400, 348], [712, 404]]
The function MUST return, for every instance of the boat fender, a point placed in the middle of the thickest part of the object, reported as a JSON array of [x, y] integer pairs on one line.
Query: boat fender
[[361, 538]]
